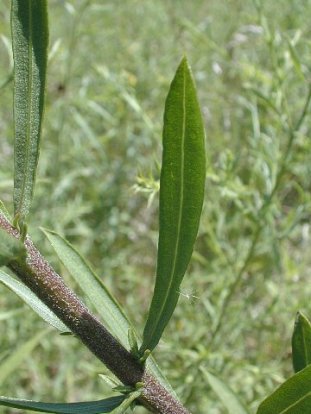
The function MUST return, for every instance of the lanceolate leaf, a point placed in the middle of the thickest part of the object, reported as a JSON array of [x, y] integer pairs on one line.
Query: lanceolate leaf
[[109, 310], [91, 407], [229, 399], [301, 343], [32, 300], [107, 307], [181, 198], [292, 397], [127, 403], [30, 39]]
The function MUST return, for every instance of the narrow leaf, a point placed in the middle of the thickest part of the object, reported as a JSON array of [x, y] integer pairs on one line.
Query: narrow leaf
[[301, 342], [107, 307], [10, 248], [30, 40], [181, 198], [32, 300], [229, 399], [91, 407], [109, 310], [5, 212], [127, 403], [13, 362], [292, 397]]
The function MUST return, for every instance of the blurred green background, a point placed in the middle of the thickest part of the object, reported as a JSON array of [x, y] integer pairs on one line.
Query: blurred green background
[[111, 63]]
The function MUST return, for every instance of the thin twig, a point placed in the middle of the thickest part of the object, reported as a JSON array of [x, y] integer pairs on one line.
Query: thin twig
[[261, 213]]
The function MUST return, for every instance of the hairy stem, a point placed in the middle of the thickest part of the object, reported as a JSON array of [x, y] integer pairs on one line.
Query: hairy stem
[[41, 278]]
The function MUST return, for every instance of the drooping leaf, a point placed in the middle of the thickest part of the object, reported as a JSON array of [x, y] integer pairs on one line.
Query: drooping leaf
[[292, 397], [229, 399], [29, 26], [181, 198], [32, 300], [301, 342], [91, 407], [107, 307], [11, 248], [13, 362]]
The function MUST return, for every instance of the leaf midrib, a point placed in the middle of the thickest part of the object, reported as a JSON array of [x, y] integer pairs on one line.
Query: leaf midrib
[[295, 403]]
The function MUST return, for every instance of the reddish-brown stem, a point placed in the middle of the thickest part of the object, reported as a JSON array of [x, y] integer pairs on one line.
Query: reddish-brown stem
[[36, 273]]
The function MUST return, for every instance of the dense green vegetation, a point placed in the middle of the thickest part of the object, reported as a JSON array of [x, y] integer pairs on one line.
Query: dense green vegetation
[[110, 67]]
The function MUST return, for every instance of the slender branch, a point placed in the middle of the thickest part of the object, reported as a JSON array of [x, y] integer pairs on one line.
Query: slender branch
[[261, 214], [41, 278]]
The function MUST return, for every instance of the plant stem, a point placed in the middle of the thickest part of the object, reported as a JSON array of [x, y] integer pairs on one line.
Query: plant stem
[[36, 273]]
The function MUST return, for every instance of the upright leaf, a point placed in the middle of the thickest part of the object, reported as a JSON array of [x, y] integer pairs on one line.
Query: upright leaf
[[30, 40], [229, 399], [5, 212], [90, 407], [107, 307], [181, 198], [292, 397], [109, 310], [301, 342], [32, 300]]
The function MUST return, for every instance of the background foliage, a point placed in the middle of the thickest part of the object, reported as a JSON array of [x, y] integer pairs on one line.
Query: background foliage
[[109, 71]]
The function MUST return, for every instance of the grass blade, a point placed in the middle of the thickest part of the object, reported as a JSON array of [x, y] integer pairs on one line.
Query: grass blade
[[30, 40], [32, 300], [13, 362], [292, 397], [181, 198], [225, 394], [90, 407], [301, 343]]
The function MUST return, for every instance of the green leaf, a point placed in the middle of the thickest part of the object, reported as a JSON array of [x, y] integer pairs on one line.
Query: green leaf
[[11, 248], [29, 26], [292, 397], [127, 402], [181, 198], [301, 342], [32, 300], [92, 407], [107, 307], [5, 212], [13, 362], [225, 394], [109, 310]]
